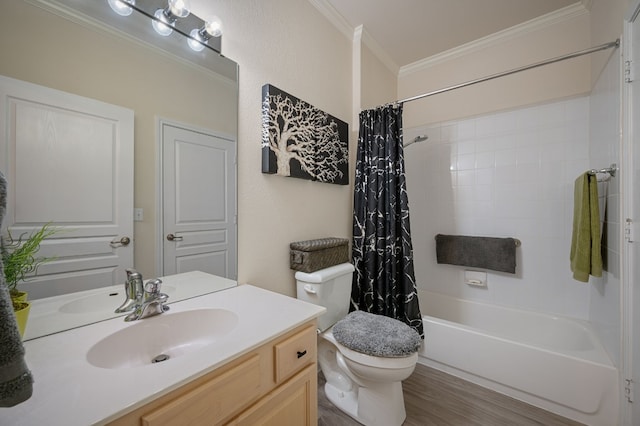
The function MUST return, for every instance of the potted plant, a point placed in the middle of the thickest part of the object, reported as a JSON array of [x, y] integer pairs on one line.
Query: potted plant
[[20, 261]]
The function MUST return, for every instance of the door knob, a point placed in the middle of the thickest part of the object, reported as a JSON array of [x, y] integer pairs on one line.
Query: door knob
[[172, 237], [124, 241]]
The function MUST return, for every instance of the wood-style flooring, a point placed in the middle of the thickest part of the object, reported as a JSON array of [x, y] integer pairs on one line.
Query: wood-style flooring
[[439, 399]]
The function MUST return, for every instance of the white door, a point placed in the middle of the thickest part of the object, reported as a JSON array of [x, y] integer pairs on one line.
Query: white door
[[199, 202], [68, 160], [631, 198]]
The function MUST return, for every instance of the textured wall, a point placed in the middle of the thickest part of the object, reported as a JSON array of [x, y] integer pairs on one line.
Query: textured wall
[[565, 79], [289, 44], [378, 83], [606, 25]]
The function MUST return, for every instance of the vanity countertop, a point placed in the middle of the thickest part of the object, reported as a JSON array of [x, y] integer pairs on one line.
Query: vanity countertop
[[69, 391]]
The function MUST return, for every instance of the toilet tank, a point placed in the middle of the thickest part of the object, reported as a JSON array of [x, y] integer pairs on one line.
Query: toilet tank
[[329, 287]]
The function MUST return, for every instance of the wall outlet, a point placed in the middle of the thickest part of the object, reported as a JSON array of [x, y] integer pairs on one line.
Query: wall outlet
[[138, 215]]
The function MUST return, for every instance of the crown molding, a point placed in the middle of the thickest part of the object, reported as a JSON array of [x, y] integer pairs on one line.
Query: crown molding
[[569, 12], [351, 33], [587, 4], [334, 17], [378, 51]]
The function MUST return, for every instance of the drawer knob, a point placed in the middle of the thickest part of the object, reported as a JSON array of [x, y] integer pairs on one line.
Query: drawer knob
[[301, 354]]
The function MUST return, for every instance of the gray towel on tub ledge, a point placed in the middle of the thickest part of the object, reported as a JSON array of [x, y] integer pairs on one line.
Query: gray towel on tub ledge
[[497, 254], [16, 383]]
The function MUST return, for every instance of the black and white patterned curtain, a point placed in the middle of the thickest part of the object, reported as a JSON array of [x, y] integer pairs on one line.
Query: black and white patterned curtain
[[384, 280]]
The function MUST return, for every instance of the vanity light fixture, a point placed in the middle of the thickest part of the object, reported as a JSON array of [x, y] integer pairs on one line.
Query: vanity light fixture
[[166, 18], [199, 37], [207, 33], [122, 7]]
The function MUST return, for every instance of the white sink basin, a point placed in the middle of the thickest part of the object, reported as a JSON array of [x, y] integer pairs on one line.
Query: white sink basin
[[161, 338]]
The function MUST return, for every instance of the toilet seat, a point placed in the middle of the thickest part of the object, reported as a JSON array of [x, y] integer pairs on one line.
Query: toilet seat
[[369, 360]]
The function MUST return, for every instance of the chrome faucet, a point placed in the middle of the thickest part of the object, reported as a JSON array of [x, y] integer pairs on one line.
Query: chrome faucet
[[145, 300], [134, 291], [153, 302]]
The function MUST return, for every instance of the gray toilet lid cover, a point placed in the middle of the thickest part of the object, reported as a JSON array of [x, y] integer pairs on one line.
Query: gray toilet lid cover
[[376, 335]]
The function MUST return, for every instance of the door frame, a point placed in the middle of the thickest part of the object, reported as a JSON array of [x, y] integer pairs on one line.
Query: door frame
[[630, 335], [160, 123]]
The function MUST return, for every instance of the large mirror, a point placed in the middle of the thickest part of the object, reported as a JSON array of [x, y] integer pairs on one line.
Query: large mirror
[[182, 105]]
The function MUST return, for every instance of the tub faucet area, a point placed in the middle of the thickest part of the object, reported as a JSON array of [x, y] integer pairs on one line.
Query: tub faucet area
[[145, 300]]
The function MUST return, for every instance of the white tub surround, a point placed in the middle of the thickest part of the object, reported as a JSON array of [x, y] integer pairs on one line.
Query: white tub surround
[[509, 173], [69, 391], [551, 362]]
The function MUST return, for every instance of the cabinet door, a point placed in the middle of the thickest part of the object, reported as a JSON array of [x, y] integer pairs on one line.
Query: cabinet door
[[295, 403], [212, 402]]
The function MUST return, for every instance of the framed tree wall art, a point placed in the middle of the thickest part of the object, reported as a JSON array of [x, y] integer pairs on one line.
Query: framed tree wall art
[[299, 140]]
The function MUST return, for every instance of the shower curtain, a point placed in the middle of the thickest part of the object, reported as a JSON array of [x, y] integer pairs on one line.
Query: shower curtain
[[384, 279]]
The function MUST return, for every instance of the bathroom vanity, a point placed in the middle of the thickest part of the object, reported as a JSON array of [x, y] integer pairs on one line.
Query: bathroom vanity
[[270, 385], [240, 356]]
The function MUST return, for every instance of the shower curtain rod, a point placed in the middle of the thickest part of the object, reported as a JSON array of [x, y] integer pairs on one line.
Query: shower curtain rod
[[513, 71]]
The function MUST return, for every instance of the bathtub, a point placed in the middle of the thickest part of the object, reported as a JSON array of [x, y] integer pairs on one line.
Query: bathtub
[[550, 362]]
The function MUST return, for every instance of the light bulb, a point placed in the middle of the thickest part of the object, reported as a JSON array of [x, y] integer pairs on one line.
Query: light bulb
[[195, 42], [166, 18], [121, 7], [213, 26], [162, 25], [180, 8]]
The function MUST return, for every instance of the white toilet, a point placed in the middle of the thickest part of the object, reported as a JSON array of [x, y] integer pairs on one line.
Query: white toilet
[[366, 387]]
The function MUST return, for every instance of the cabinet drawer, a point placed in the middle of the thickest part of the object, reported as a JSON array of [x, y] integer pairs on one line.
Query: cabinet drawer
[[214, 401], [294, 353]]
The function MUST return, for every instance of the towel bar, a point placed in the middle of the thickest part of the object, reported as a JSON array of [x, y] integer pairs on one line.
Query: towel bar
[[611, 170]]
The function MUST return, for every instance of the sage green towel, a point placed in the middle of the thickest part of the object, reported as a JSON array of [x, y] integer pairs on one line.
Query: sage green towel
[[586, 255]]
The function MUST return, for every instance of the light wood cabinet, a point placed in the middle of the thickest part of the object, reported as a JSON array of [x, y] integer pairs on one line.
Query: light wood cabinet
[[275, 384], [292, 404]]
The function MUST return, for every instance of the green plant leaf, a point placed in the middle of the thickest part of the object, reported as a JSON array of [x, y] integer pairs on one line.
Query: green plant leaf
[[19, 255]]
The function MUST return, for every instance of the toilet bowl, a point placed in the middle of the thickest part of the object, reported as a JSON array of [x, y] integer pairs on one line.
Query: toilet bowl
[[369, 369], [366, 387]]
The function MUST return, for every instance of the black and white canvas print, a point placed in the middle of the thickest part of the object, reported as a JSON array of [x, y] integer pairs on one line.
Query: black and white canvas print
[[299, 140]]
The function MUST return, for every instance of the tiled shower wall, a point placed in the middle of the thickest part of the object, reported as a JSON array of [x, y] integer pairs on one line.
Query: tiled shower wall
[[604, 147], [508, 174]]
